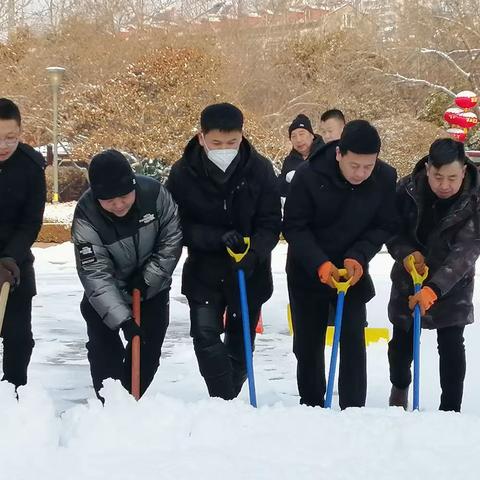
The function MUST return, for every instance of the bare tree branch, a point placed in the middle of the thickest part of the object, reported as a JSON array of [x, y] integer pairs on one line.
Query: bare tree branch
[[418, 81], [449, 59], [459, 24], [465, 50]]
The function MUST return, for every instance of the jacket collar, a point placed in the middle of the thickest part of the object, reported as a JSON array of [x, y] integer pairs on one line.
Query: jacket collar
[[416, 187]]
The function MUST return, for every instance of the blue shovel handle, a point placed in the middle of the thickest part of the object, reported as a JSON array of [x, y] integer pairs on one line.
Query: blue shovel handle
[[342, 288], [247, 341], [417, 328], [418, 280], [247, 338], [336, 341]]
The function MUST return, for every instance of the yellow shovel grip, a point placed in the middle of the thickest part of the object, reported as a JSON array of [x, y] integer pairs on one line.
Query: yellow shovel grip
[[342, 286], [238, 256], [416, 277]]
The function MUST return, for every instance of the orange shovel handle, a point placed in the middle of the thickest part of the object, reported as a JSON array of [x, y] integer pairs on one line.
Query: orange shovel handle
[[136, 347]]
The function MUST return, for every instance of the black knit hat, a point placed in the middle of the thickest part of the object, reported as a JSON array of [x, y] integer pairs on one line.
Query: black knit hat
[[110, 175], [301, 121]]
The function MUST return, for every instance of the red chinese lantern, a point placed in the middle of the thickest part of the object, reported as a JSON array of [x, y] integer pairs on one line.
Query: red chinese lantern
[[457, 134], [466, 99], [451, 115], [469, 120]]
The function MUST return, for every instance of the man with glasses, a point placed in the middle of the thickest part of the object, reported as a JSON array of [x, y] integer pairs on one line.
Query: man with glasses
[[22, 201]]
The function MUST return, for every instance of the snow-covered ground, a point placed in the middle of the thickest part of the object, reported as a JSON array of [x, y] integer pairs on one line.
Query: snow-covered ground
[[59, 430]]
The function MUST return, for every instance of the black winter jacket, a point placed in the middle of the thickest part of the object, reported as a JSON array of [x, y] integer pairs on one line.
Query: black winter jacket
[[451, 250], [327, 218], [292, 161], [249, 202], [22, 203]]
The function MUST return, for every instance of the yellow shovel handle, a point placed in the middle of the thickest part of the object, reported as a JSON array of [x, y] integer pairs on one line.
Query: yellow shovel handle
[[238, 256], [416, 277], [342, 286]]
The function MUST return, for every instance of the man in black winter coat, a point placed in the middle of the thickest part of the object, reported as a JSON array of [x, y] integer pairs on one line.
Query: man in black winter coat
[[22, 202], [339, 213], [304, 142], [225, 191], [126, 233], [438, 205]]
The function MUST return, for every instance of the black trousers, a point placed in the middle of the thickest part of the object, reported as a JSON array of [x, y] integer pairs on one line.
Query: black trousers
[[451, 351], [310, 315], [17, 331], [110, 359], [222, 364]]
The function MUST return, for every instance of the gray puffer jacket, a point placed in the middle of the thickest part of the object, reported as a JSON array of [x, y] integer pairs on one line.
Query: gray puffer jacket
[[110, 250]]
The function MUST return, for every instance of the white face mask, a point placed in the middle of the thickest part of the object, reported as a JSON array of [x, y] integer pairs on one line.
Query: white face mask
[[222, 158]]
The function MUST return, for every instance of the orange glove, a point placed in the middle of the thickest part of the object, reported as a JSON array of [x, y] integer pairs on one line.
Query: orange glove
[[419, 261], [354, 270], [326, 271], [425, 298]]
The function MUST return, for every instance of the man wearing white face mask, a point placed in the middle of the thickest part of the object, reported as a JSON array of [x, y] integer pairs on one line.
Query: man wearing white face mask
[[225, 191]]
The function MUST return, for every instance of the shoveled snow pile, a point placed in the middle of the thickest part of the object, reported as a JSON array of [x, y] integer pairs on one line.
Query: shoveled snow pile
[[162, 437], [58, 430]]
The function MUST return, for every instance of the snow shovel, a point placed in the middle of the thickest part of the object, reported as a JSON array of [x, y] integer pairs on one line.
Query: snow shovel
[[417, 328], [3, 302], [136, 346], [245, 322], [342, 288]]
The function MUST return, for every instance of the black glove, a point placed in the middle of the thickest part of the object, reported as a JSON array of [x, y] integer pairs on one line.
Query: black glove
[[6, 276], [11, 265], [234, 241], [130, 329], [248, 264], [137, 281]]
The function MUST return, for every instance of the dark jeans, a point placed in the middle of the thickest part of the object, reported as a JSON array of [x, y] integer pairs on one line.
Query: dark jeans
[[310, 315], [17, 334], [110, 359], [451, 351], [222, 364]]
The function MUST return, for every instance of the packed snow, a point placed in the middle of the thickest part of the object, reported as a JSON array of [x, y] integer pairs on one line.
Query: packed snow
[[58, 430]]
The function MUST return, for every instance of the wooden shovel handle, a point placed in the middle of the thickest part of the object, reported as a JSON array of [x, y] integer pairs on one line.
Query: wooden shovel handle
[[136, 347], [4, 291]]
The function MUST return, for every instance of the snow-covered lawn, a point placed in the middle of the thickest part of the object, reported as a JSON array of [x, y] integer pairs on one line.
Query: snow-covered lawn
[[58, 430]]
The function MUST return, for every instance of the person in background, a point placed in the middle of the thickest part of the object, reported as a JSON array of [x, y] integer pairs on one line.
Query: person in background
[[332, 123], [304, 141]]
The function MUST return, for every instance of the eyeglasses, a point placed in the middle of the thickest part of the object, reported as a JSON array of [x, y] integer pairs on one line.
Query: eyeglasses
[[9, 142]]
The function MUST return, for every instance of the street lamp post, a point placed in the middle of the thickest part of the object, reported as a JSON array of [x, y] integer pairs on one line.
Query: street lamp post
[[55, 76]]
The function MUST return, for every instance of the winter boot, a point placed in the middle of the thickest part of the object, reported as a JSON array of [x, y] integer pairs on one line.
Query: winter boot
[[398, 397]]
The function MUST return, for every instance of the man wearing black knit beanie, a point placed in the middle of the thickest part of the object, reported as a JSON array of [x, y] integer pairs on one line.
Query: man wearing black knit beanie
[[126, 233], [339, 213], [304, 142]]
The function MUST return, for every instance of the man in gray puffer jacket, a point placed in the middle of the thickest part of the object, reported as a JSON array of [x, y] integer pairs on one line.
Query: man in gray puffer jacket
[[438, 206], [127, 235]]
